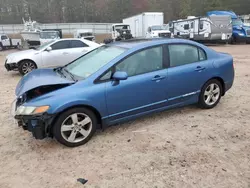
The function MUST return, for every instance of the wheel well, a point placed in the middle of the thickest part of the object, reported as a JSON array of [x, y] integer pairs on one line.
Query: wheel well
[[97, 114], [222, 83], [26, 60]]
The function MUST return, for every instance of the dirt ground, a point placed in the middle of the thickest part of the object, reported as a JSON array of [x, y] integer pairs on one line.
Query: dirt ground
[[186, 147]]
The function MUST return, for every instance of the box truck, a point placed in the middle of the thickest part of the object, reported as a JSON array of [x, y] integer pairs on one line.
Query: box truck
[[141, 25]]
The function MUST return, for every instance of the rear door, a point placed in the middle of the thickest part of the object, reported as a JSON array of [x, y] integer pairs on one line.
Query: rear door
[[78, 48], [189, 70], [59, 55]]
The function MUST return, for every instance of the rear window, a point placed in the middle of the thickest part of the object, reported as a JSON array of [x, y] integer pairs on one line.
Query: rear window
[[78, 44], [202, 55]]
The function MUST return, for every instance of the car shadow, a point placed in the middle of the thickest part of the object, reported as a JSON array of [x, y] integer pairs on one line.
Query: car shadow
[[159, 116]]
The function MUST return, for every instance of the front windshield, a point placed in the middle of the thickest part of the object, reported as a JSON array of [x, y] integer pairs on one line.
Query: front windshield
[[49, 35], [237, 22], [45, 45], [157, 27], [93, 61]]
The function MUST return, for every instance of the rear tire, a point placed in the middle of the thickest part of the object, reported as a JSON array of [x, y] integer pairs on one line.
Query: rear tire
[[26, 66], [210, 94], [75, 127]]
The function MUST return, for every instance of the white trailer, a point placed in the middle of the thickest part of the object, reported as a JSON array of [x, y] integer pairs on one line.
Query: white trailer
[[141, 23], [212, 28]]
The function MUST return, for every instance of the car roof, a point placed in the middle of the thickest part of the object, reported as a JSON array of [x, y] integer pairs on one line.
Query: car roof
[[141, 43]]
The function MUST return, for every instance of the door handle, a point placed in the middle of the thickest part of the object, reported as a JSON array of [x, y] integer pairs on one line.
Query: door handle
[[158, 77], [199, 69], [65, 53]]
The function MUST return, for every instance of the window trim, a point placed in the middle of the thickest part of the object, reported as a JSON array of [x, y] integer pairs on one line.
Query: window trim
[[198, 47], [113, 67]]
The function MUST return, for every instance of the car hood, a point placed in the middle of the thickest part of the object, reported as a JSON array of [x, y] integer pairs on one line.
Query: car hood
[[40, 77], [22, 53]]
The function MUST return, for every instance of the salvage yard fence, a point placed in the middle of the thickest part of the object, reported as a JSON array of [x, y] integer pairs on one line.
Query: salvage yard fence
[[67, 28]]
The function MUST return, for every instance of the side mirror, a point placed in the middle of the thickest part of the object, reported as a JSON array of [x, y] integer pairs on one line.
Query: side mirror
[[120, 76], [48, 49]]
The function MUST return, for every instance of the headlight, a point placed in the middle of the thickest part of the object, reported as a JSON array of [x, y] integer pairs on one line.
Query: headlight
[[241, 34], [30, 110]]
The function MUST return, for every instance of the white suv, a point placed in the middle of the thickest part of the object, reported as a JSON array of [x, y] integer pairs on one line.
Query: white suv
[[50, 55]]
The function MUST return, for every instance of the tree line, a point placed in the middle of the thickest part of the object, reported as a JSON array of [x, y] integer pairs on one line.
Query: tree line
[[109, 11]]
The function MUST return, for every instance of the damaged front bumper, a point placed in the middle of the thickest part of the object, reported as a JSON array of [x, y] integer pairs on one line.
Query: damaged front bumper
[[11, 66], [38, 125]]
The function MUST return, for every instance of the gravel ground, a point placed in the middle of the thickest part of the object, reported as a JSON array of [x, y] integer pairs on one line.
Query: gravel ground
[[185, 147]]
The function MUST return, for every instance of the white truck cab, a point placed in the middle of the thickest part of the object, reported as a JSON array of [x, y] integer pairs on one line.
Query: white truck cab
[[6, 42], [121, 32], [86, 34], [157, 31]]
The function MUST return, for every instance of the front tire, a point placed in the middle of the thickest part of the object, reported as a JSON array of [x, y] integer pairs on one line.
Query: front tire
[[26, 66], [75, 127], [210, 94]]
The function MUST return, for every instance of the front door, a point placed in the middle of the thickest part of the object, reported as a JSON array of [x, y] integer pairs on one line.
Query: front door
[[188, 72], [145, 88], [61, 54]]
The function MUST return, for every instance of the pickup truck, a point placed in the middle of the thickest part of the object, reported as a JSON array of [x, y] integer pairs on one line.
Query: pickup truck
[[7, 42]]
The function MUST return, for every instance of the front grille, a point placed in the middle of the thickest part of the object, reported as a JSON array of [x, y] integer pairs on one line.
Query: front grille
[[166, 35], [248, 32]]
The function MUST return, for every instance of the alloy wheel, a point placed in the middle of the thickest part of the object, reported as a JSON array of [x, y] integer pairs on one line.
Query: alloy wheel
[[212, 94], [76, 127], [28, 67]]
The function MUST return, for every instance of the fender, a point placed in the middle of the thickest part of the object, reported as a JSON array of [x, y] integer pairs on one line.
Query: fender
[[71, 104]]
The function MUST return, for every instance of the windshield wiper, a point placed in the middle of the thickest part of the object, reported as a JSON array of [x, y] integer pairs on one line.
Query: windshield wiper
[[71, 75], [59, 71]]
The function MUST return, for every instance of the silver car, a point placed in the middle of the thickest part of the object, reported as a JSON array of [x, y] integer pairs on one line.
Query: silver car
[[50, 55]]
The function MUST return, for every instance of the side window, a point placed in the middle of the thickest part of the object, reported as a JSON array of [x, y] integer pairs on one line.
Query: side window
[[106, 76], [186, 26], [61, 45], [78, 44], [202, 55], [148, 60], [182, 54], [4, 37]]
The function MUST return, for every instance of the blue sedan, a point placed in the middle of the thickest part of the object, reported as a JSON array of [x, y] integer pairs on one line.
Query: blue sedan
[[119, 82]]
